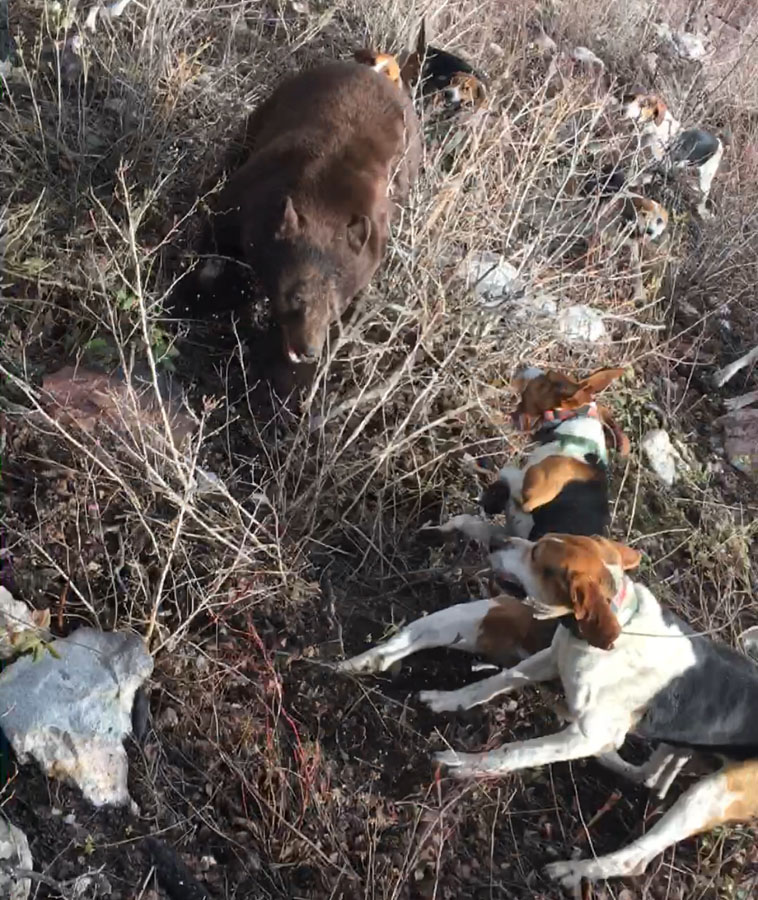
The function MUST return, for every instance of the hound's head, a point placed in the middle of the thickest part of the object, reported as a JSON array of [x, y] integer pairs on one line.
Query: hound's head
[[465, 90], [644, 108], [543, 392], [548, 392], [569, 575], [652, 218]]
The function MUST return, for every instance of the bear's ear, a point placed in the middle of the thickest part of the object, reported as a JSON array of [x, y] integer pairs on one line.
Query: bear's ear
[[358, 233]]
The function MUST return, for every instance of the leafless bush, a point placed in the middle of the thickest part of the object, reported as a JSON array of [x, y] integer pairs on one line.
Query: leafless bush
[[103, 160]]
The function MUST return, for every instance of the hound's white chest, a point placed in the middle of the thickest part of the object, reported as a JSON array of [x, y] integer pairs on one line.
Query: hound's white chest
[[659, 137], [619, 683]]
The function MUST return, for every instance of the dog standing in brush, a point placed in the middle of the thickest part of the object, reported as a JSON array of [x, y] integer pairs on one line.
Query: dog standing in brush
[[443, 77], [693, 149], [333, 153]]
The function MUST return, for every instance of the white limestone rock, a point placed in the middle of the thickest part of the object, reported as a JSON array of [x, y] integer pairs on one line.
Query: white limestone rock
[[71, 710], [14, 854]]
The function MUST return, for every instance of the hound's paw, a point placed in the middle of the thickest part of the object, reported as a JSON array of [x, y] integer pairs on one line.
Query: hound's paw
[[363, 663], [568, 873], [459, 765], [450, 759], [441, 701]]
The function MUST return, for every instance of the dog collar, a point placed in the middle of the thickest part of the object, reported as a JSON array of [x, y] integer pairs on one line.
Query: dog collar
[[563, 415], [624, 606]]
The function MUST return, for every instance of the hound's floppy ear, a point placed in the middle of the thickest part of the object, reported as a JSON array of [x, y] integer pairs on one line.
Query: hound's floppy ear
[[597, 623], [358, 233], [621, 443], [480, 92], [660, 111], [289, 227], [599, 381], [410, 71], [566, 388], [630, 558]]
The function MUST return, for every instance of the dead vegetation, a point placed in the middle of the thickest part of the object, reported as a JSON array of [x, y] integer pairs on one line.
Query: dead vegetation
[[257, 550]]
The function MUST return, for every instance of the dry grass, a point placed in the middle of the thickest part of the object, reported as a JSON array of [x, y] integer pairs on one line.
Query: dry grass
[[297, 783]]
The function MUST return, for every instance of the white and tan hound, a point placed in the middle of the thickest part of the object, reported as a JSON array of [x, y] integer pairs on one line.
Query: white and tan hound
[[661, 134], [627, 666]]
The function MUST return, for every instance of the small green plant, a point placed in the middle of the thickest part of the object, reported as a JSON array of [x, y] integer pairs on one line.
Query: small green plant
[[164, 350]]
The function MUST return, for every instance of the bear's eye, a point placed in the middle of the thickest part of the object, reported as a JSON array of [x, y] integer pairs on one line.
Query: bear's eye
[[295, 302]]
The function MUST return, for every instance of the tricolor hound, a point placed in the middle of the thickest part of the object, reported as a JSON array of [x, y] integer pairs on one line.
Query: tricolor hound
[[627, 666], [563, 487], [443, 75], [661, 134]]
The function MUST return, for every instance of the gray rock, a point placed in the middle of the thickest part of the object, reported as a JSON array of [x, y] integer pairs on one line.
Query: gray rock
[[72, 713], [581, 323], [16, 619], [14, 854], [662, 455]]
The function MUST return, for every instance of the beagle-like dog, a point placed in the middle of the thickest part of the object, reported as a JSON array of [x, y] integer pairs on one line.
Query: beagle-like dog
[[563, 487], [625, 220], [637, 218], [661, 134], [564, 481], [644, 217], [627, 666], [443, 76]]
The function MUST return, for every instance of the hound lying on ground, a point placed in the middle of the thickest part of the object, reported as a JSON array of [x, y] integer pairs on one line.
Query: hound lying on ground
[[627, 666], [563, 487], [661, 134], [490, 628]]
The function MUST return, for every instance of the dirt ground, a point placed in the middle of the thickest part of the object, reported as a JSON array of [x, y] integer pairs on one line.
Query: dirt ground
[[254, 765]]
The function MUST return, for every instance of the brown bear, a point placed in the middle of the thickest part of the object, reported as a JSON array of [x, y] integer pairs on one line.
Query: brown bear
[[332, 151]]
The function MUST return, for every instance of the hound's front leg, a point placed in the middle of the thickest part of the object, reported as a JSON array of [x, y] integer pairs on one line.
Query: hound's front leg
[[539, 667], [658, 773], [457, 627], [573, 742]]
